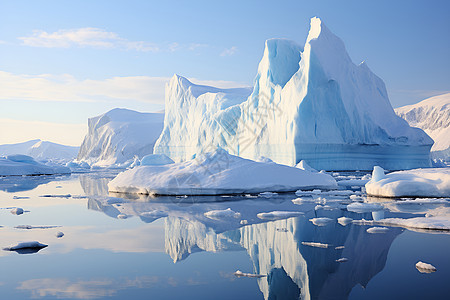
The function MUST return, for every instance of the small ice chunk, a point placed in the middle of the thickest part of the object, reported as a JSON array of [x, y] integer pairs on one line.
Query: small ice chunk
[[344, 221], [308, 193], [363, 207], [314, 244], [20, 197], [17, 211], [342, 259], [275, 215], [56, 196], [321, 221], [377, 230], [222, 214], [267, 194], [339, 247], [250, 196], [299, 201], [26, 245], [59, 234], [243, 222], [425, 268], [122, 216], [241, 274]]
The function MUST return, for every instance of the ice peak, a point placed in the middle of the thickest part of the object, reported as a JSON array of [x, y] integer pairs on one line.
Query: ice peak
[[315, 28]]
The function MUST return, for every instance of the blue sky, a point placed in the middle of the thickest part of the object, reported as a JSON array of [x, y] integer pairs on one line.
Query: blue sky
[[64, 61]]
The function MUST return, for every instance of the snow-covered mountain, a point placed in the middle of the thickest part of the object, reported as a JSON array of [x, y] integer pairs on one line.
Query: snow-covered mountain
[[433, 116], [308, 103], [41, 150], [116, 137]]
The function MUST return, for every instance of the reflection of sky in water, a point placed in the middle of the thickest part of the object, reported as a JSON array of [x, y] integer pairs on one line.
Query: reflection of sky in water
[[103, 256]]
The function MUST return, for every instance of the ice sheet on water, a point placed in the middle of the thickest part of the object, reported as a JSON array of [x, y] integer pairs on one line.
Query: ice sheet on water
[[222, 214], [377, 230], [276, 215], [363, 207]]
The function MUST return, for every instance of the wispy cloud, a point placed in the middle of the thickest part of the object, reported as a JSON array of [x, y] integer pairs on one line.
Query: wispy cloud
[[84, 37], [47, 87], [229, 51]]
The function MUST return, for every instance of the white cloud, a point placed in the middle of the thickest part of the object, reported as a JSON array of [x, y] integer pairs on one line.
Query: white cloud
[[84, 37], [229, 51]]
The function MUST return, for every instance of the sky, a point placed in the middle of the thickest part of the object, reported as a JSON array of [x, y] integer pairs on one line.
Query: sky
[[62, 62]]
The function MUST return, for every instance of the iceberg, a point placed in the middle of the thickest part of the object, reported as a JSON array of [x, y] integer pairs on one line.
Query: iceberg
[[41, 150], [308, 103], [433, 116], [432, 182], [115, 138], [216, 173], [18, 164]]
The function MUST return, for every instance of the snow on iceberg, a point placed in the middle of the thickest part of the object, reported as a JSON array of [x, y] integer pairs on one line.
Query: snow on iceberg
[[433, 182], [116, 137], [433, 116], [18, 164], [308, 103], [216, 173]]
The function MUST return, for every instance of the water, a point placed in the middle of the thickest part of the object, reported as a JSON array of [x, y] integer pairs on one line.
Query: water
[[165, 248]]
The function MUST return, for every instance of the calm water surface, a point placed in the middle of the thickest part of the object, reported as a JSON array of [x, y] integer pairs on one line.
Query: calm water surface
[[165, 248]]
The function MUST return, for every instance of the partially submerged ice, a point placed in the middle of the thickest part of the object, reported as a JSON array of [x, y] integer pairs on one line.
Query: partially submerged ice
[[431, 182], [18, 165], [216, 173], [308, 103]]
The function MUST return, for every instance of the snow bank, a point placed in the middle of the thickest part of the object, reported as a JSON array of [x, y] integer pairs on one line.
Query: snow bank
[[433, 182], [216, 173], [308, 103], [116, 137], [25, 165]]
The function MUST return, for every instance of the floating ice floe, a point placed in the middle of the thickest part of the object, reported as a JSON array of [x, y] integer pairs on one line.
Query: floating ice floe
[[314, 244], [26, 247], [222, 214], [34, 227], [56, 196], [267, 194], [377, 230], [20, 197], [241, 274], [321, 221], [308, 193], [59, 234], [154, 214], [425, 268], [342, 259], [339, 247], [363, 207], [275, 215], [432, 182], [122, 216], [14, 165], [216, 173], [344, 221], [17, 211]]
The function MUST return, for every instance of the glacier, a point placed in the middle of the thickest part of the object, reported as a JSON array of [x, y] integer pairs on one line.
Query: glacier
[[433, 116], [308, 103], [118, 137], [21, 165]]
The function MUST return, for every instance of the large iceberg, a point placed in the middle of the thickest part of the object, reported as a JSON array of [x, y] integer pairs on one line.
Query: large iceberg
[[433, 116], [308, 103], [216, 173], [118, 136]]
